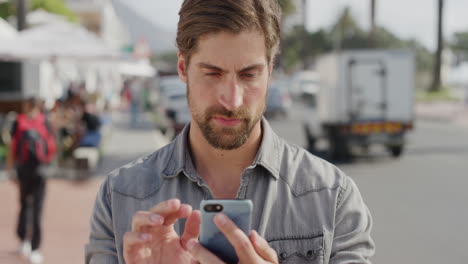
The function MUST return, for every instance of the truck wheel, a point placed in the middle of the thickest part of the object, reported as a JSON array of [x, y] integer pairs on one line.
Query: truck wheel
[[311, 140], [339, 148], [396, 151]]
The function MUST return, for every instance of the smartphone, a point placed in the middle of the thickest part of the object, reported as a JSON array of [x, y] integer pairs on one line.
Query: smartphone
[[239, 211]]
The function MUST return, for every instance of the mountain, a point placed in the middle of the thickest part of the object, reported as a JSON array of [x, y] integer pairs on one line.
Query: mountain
[[141, 27]]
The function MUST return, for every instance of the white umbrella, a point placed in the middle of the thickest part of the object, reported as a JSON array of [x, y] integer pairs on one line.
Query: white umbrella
[[6, 31], [60, 39], [136, 68]]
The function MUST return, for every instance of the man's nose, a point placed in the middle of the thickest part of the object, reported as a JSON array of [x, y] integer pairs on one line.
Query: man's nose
[[231, 95]]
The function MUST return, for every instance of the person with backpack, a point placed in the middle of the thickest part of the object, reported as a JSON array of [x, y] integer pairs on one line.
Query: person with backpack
[[32, 147]]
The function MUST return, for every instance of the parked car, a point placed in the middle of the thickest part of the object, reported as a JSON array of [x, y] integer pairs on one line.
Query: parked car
[[304, 82], [278, 99], [172, 111]]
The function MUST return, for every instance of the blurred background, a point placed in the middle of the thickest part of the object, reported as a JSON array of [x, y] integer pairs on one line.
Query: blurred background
[[379, 88]]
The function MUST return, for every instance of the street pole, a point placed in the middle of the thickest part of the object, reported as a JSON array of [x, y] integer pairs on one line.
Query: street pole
[[440, 46], [304, 14], [21, 14], [373, 26], [372, 15]]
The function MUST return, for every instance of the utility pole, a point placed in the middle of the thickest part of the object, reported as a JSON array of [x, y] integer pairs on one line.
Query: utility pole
[[440, 46], [304, 14], [372, 23], [373, 15], [21, 14]]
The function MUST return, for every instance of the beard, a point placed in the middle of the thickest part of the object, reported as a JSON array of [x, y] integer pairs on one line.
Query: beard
[[225, 138]]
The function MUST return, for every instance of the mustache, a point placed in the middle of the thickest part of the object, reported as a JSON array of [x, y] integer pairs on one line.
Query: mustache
[[242, 113]]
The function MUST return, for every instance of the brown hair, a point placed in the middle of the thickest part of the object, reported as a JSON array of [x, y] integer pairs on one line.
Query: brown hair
[[200, 17]]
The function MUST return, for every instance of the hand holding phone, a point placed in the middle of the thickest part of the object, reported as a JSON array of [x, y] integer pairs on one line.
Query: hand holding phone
[[239, 211], [225, 235]]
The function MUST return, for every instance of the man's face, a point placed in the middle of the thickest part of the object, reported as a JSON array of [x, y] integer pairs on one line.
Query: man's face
[[227, 83]]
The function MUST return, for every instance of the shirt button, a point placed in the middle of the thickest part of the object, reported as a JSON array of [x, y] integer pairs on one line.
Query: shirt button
[[283, 256], [310, 253]]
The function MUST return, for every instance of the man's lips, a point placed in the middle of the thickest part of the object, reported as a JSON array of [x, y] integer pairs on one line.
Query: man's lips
[[227, 121]]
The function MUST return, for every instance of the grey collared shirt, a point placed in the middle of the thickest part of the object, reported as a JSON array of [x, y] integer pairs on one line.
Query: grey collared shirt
[[307, 209]]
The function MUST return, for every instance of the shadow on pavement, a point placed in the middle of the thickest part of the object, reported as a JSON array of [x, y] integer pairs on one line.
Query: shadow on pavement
[[437, 150]]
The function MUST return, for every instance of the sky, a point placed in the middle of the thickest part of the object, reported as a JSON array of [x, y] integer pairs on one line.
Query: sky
[[415, 19]]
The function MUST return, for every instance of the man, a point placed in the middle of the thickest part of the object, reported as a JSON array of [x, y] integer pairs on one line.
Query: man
[[305, 209], [31, 147]]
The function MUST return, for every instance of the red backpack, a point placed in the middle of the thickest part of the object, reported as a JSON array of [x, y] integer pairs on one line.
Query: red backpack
[[32, 141]]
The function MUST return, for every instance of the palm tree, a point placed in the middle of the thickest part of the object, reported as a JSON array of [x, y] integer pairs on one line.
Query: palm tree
[[440, 46]]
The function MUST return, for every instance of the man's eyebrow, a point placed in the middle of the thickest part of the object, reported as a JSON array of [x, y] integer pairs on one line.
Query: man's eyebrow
[[258, 66], [216, 68], [209, 66]]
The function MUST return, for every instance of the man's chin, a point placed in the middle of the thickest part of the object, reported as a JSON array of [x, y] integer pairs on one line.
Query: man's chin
[[227, 144], [227, 138]]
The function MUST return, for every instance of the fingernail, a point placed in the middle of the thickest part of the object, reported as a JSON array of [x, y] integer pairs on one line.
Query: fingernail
[[157, 219], [145, 236], [220, 219], [253, 233], [190, 244]]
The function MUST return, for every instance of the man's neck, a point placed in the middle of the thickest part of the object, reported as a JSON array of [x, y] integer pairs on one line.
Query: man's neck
[[222, 169]]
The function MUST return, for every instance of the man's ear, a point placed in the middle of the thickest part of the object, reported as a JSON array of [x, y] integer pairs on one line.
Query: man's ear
[[181, 69]]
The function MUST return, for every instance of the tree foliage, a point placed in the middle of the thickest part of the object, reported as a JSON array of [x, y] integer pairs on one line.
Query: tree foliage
[[300, 48], [459, 43], [287, 6], [58, 7]]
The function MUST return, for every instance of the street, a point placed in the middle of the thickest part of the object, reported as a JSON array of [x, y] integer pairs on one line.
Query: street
[[418, 201]]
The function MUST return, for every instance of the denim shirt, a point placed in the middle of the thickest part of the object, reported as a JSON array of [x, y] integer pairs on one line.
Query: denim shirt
[[307, 209]]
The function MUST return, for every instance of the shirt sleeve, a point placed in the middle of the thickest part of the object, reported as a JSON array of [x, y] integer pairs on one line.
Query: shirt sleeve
[[352, 242], [101, 247]]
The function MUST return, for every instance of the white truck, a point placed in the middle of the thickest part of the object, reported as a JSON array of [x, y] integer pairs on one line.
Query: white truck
[[366, 97]]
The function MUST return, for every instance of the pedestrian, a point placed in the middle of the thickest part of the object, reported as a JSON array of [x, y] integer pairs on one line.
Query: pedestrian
[[32, 147], [305, 210], [136, 89]]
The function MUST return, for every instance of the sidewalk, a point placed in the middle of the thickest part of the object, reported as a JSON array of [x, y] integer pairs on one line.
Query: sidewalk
[[68, 204], [443, 112]]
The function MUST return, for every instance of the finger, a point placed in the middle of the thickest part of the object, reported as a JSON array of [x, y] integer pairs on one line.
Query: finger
[[184, 211], [237, 238], [262, 248], [202, 254], [167, 207], [192, 228], [134, 240], [171, 210], [145, 219]]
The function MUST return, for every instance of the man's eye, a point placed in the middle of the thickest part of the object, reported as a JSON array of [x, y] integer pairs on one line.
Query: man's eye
[[248, 75], [213, 74]]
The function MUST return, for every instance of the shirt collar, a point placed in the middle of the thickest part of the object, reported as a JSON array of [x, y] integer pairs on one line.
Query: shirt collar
[[268, 156]]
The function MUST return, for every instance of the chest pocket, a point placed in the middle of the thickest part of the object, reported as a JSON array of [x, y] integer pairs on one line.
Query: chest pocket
[[299, 249]]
